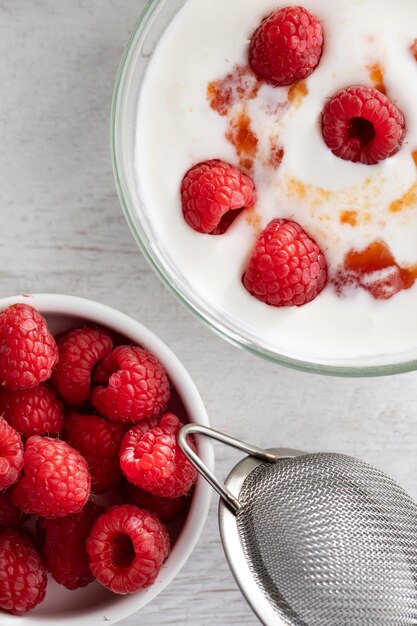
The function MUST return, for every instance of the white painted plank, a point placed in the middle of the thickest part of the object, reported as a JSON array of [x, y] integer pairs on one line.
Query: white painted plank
[[62, 231]]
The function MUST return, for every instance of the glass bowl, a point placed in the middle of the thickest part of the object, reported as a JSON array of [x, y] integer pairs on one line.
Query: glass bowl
[[155, 18]]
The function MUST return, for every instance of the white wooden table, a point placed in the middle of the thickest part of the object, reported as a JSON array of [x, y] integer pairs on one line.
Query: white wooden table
[[62, 230]]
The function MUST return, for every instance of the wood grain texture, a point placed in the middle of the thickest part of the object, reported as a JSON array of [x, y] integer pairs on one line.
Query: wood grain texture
[[62, 230]]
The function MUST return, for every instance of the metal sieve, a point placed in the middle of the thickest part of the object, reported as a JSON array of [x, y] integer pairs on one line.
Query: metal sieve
[[316, 539]]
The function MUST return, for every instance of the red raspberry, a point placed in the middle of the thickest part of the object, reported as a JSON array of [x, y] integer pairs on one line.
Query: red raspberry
[[33, 411], [154, 461], [166, 509], [287, 267], [10, 514], [361, 124], [137, 385], [98, 440], [127, 548], [22, 574], [79, 350], [105, 473], [210, 191], [11, 455], [287, 46], [382, 284], [94, 435], [56, 480], [28, 351], [64, 549]]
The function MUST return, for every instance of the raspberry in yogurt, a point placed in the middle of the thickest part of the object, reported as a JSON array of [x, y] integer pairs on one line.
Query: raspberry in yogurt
[[204, 98]]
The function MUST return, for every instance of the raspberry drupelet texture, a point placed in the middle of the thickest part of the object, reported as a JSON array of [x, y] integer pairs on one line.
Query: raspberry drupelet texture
[[287, 267], [166, 509], [152, 459], [127, 547], [287, 46], [94, 435], [56, 481], [10, 514], [137, 385], [211, 191], [22, 574], [98, 440], [33, 411], [362, 125], [80, 349], [64, 547], [11, 455], [28, 351]]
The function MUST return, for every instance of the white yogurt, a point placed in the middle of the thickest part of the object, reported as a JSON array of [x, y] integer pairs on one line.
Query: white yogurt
[[176, 128]]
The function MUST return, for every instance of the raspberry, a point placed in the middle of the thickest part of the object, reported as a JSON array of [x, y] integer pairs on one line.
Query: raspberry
[[64, 548], [137, 385], [153, 460], [94, 435], [210, 191], [166, 509], [79, 351], [98, 440], [33, 411], [56, 480], [287, 46], [11, 455], [105, 473], [10, 514], [362, 125], [287, 267], [22, 574], [374, 269], [28, 351], [127, 547]]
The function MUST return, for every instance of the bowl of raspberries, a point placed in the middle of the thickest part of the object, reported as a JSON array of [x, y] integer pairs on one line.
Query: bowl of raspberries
[[99, 508]]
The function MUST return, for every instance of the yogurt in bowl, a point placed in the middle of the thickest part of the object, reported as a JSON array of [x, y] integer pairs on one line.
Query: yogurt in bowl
[[176, 120]]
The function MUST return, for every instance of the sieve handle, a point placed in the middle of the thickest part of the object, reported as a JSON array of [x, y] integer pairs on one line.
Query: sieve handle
[[224, 493]]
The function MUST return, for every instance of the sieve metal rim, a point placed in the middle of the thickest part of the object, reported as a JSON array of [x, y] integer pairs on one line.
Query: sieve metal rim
[[234, 507], [232, 544], [229, 506]]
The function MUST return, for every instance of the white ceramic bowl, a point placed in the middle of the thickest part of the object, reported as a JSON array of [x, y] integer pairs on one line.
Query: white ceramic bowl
[[94, 605]]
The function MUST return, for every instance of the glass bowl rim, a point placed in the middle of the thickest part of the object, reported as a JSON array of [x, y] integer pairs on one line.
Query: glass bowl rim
[[353, 371]]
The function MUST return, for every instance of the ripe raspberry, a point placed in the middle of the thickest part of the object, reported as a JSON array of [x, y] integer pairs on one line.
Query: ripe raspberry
[[94, 435], [137, 385], [210, 191], [382, 284], [64, 549], [10, 514], [11, 455], [33, 411], [166, 509], [28, 351], [154, 461], [287, 267], [105, 473], [127, 548], [56, 480], [362, 125], [98, 440], [22, 574], [287, 46], [79, 351], [374, 269]]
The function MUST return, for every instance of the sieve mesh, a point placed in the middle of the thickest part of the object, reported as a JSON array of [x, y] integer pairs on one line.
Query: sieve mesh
[[331, 541]]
